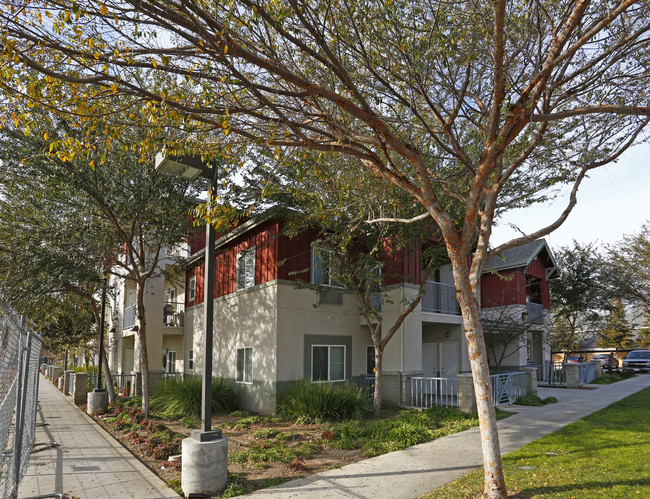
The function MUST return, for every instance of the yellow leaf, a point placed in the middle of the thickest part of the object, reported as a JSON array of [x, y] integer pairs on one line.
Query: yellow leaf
[[45, 136], [103, 10], [225, 50], [153, 61], [92, 164]]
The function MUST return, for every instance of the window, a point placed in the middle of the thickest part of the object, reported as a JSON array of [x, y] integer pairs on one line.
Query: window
[[190, 360], [171, 362], [192, 290], [246, 269], [328, 363], [325, 264], [370, 359], [245, 365]]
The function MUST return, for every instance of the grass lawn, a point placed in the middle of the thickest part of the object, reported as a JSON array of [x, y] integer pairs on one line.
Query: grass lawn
[[606, 454]]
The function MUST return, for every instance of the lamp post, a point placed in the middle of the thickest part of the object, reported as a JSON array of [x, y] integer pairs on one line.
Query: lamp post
[[98, 398], [204, 465]]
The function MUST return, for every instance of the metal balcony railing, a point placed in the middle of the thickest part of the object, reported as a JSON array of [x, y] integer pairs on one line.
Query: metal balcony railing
[[440, 298], [173, 314]]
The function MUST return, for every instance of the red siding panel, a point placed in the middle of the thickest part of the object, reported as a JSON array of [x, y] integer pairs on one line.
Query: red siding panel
[[537, 268], [508, 288]]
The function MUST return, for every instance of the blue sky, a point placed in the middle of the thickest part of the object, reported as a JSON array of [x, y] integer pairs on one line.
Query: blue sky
[[613, 201]]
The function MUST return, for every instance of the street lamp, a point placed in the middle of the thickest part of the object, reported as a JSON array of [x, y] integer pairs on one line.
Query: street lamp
[[191, 167]]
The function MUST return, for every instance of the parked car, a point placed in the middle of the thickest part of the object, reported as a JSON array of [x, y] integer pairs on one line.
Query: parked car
[[639, 360], [575, 359], [607, 359]]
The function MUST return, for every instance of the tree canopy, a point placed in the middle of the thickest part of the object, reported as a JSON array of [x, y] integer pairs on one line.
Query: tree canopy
[[489, 104]]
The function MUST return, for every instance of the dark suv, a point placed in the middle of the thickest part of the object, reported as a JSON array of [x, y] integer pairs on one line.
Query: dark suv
[[607, 359], [637, 360]]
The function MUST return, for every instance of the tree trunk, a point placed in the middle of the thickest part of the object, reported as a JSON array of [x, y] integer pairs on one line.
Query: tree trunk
[[379, 391], [142, 338], [469, 301]]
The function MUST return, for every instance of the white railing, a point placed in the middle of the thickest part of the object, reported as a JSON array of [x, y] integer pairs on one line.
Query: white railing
[[177, 375], [508, 387], [129, 317], [587, 372], [440, 298], [427, 392], [551, 374]]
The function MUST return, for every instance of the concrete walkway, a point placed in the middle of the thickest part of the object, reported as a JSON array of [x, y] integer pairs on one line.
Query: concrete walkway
[[88, 462], [417, 470]]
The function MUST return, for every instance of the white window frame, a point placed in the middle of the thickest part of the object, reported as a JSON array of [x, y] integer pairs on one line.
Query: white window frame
[[190, 360], [315, 249], [192, 289], [329, 364], [245, 272], [240, 377]]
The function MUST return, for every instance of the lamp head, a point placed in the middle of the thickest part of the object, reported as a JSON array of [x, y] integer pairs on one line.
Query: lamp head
[[188, 167]]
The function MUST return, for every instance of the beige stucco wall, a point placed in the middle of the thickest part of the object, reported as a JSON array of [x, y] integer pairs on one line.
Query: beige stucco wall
[[297, 317], [243, 319]]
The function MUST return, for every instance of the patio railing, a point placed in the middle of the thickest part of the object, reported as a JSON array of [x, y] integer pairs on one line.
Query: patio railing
[[427, 392], [440, 298], [551, 374], [587, 372], [508, 387]]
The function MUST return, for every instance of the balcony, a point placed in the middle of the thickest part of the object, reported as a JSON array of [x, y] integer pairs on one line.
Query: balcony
[[440, 298], [129, 317], [173, 314]]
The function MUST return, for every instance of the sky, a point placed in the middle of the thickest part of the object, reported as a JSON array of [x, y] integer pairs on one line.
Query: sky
[[613, 201]]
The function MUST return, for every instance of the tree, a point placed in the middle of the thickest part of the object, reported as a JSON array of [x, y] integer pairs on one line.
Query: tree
[[616, 331], [118, 215], [506, 333], [627, 269], [487, 104], [578, 297], [359, 256]]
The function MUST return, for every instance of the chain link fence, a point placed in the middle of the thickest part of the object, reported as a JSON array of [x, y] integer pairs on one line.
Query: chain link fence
[[20, 351]]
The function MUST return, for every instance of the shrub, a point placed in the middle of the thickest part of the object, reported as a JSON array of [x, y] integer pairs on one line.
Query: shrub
[[316, 402], [607, 379], [239, 414], [346, 435], [191, 422], [534, 400], [233, 490], [264, 433], [243, 424], [176, 397], [297, 465], [272, 482]]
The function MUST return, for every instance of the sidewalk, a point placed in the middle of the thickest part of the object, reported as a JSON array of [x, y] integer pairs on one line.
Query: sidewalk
[[88, 462], [417, 470]]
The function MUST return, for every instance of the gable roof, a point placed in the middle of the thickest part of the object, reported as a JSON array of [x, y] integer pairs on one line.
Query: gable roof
[[521, 256]]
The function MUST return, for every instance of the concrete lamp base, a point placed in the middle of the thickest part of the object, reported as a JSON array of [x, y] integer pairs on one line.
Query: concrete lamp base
[[97, 399], [204, 465]]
